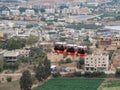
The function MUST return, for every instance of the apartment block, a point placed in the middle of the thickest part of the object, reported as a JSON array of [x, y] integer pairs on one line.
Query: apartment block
[[96, 62]]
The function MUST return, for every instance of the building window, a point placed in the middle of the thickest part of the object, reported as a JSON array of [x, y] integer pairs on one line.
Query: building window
[[92, 69], [87, 69]]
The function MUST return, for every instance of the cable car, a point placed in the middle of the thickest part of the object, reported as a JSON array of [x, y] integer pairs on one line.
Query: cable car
[[70, 49], [81, 51], [59, 47]]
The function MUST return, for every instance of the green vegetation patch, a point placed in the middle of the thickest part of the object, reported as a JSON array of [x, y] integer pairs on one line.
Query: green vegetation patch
[[71, 84], [112, 85], [81, 25]]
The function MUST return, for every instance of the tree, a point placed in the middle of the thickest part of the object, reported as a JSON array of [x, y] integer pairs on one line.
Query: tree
[[40, 72], [2, 45], [23, 59], [80, 63], [26, 81], [43, 71], [15, 43], [47, 65], [22, 9], [4, 8], [42, 10], [36, 52]]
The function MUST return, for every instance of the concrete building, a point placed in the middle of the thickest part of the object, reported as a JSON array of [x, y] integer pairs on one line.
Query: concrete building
[[51, 10], [76, 11], [115, 41], [24, 52], [29, 12], [85, 11], [96, 63], [11, 56], [7, 13], [15, 12]]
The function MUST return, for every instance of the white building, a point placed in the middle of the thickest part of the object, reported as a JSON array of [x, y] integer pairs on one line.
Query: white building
[[15, 12], [7, 13], [96, 62], [29, 12], [51, 10]]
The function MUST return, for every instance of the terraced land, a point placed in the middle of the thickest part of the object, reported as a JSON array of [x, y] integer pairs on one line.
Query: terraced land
[[71, 84]]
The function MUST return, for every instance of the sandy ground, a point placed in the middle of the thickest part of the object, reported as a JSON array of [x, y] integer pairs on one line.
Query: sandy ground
[[116, 59], [54, 57]]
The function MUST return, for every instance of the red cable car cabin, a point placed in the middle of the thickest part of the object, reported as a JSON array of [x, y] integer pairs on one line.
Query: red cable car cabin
[[59, 47], [70, 49], [81, 51]]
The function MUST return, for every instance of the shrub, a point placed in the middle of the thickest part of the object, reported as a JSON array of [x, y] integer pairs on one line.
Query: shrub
[[117, 73], [64, 55], [95, 74], [62, 62], [68, 60], [11, 66], [98, 74], [78, 74], [9, 79], [56, 75], [87, 74]]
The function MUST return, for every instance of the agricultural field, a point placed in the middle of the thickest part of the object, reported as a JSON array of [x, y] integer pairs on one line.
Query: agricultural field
[[112, 85], [71, 84]]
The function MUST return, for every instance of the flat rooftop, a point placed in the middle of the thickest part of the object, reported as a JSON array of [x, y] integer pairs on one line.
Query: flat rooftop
[[112, 27]]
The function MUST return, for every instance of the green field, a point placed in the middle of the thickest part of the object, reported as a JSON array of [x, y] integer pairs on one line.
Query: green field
[[112, 85], [10, 86], [71, 84]]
